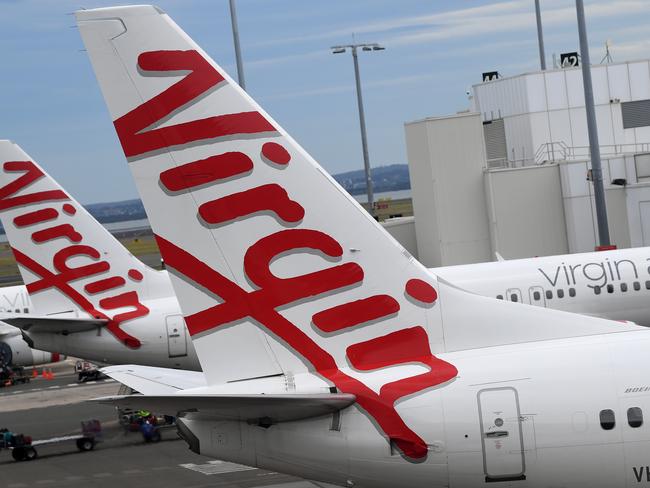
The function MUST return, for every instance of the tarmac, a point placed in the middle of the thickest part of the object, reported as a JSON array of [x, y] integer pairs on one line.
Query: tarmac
[[51, 408]]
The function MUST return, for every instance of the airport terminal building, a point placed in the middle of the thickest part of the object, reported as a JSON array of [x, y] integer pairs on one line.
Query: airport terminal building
[[511, 174]]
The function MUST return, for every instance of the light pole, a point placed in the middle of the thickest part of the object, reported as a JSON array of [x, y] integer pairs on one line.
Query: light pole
[[592, 128], [235, 38], [540, 36], [362, 118]]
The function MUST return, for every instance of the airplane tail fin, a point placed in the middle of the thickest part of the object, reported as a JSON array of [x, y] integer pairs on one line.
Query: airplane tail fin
[[277, 269], [71, 265]]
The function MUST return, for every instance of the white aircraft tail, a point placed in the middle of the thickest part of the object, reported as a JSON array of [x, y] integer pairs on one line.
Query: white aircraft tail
[[277, 269], [71, 264]]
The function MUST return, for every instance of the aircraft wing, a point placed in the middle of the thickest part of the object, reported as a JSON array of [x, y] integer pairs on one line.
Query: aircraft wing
[[54, 325], [275, 408], [6, 329], [155, 381]]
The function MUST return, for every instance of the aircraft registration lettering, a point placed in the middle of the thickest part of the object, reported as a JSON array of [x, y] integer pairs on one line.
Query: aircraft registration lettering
[[641, 473]]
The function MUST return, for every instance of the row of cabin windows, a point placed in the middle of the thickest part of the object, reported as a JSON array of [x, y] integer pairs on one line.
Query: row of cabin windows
[[610, 288], [572, 291], [514, 297], [634, 418], [25, 310]]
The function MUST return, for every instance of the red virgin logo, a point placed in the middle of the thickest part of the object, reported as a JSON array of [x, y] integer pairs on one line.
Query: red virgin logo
[[407, 345], [64, 276]]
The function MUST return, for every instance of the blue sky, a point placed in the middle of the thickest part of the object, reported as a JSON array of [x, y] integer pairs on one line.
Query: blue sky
[[51, 104]]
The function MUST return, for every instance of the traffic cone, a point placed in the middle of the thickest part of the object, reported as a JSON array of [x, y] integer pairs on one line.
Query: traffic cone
[[48, 375], [51, 374], [34, 373]]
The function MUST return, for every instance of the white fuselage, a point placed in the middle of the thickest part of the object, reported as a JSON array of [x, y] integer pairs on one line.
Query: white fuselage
[[610, 284], [529, 415], [162, 332], [15, 300]]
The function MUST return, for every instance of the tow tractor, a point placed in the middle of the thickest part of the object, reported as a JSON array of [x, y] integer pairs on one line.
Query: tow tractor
[[88, 371], [11, 376], [23, 448]]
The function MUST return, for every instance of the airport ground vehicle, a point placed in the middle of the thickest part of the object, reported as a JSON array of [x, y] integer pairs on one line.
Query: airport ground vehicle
[[10, 376], [87, 371], [23, 447]]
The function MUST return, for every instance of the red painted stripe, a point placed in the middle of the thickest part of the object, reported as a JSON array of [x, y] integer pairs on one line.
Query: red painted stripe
[[131, 127], [271, 198], [105, 284], [355, 313], [69, 209], [276, 153], [56, 357], [260, 306], [31, 174], [36, 217], [56, 232], [135, 275], [206, 170], [196, 130], [403, 346], [128, 299], [421, 291], [61, 282]]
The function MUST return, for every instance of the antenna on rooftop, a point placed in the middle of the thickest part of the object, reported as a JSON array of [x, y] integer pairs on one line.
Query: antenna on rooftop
[[608, 55]]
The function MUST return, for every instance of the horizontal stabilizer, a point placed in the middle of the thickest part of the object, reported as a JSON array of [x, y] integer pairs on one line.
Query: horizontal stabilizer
[[53, 325], [155, 381], [273, 408]]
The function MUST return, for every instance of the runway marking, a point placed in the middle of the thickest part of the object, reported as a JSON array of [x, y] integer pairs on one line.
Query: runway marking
[[132, 471], [57, 387], [102, 475], [45, 482], [216, 467]]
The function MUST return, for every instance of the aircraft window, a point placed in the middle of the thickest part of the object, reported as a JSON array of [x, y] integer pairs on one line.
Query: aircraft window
[[610, 288], [572, 292], [597, 290], [549, 294], [637, 285], [647, 285], [17, 310], [536, 295], [560, 293], [513, 297], [635, 417], [26, 310], [607, 419], [623, 287], [499, 297]]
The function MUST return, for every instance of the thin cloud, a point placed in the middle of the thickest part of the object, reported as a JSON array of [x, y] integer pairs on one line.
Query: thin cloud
[[498, 17]]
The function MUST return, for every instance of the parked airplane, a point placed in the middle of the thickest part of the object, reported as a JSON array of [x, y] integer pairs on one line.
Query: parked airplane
[[14, 351], [328, 352], [92, 297], [609, 284]]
